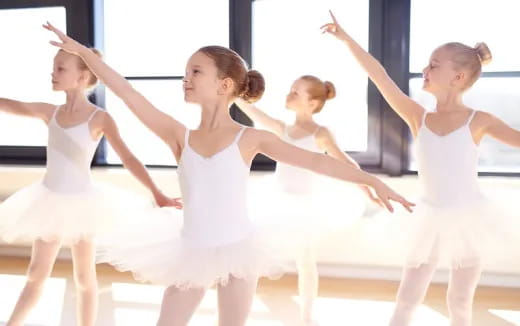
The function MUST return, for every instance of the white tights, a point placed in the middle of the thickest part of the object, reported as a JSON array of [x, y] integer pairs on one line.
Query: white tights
[[415, 282], [234, 303], [42, 260], [308, 280]]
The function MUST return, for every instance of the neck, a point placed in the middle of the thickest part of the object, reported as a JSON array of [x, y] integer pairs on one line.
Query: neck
[[449, 101], [75, 99], [304, 118], [215, 115]]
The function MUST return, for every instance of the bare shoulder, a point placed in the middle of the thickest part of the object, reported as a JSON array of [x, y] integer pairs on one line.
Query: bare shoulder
[[102, 122], [101, 117], [483, 118], [324, 133], [42, 110], [255, 140], [483, 115], [324, 137], [46, 107], [258, 135]]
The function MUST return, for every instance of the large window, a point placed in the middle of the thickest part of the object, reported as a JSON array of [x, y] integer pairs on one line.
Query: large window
[[150, 43], [287, 43], [26, 62], [497, 91]]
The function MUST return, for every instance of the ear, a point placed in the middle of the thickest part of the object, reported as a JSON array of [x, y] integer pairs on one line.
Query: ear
[[226, 86], [458, 79], [313, 104], [84, 77]]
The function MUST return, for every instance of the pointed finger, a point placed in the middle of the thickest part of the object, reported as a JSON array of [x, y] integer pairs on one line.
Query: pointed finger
[[333, 18], [56, 30]]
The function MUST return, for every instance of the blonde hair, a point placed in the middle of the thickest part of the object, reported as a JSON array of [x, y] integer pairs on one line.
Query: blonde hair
[[469, 58], [319, 90], [93, 80]]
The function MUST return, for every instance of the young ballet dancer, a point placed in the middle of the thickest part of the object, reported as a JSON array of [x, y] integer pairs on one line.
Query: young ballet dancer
[[218, 244], [453, 219], [66, 207], [299, 187]]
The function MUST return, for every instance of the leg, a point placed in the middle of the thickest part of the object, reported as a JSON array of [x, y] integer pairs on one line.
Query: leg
[[414, 283], [235, 300], [83, 259], [179, 305], [308, 280], [42, 259], [461, 291]]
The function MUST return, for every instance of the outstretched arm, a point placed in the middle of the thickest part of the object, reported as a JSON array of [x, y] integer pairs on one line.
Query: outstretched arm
[[499, 130], [409, 110], [130, 162], [272, 146], [327, 142], [167, 128], [42, 111], [258, 116]]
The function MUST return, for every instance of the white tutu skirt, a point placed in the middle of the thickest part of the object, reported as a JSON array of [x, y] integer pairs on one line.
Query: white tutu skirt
[[36, 212], [158, 253], [313, 213], [456, 236]]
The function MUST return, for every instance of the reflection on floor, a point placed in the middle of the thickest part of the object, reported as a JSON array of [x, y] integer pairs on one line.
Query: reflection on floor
[[341, 302]]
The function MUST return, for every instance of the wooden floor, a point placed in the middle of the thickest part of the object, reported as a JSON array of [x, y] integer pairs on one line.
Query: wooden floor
[[341, 301]]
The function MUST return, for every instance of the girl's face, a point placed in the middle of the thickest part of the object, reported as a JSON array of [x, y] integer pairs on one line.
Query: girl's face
[[439, 75], [66, 74], [201, 83], [298, 99]]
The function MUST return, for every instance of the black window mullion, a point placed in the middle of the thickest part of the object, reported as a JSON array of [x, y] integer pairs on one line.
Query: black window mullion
[[240, 40], [396, 52]]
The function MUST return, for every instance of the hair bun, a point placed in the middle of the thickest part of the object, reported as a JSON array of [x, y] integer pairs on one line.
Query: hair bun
[[483, 53], [330, 90], [255, 86]]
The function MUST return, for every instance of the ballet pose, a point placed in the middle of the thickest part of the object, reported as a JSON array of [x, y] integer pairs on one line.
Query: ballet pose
[[453, 220], [218, 244], [299, 187], [66, 207]]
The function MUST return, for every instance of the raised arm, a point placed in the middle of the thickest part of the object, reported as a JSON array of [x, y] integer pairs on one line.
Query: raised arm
[[272, 146], [130, 162], [409, 110], [42, 111], [259, 117], [167, 128]]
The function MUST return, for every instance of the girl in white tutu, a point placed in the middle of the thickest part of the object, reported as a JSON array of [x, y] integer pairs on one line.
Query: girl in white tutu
[[299, 188], [218, 244], [66, 207], [453, 220]]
